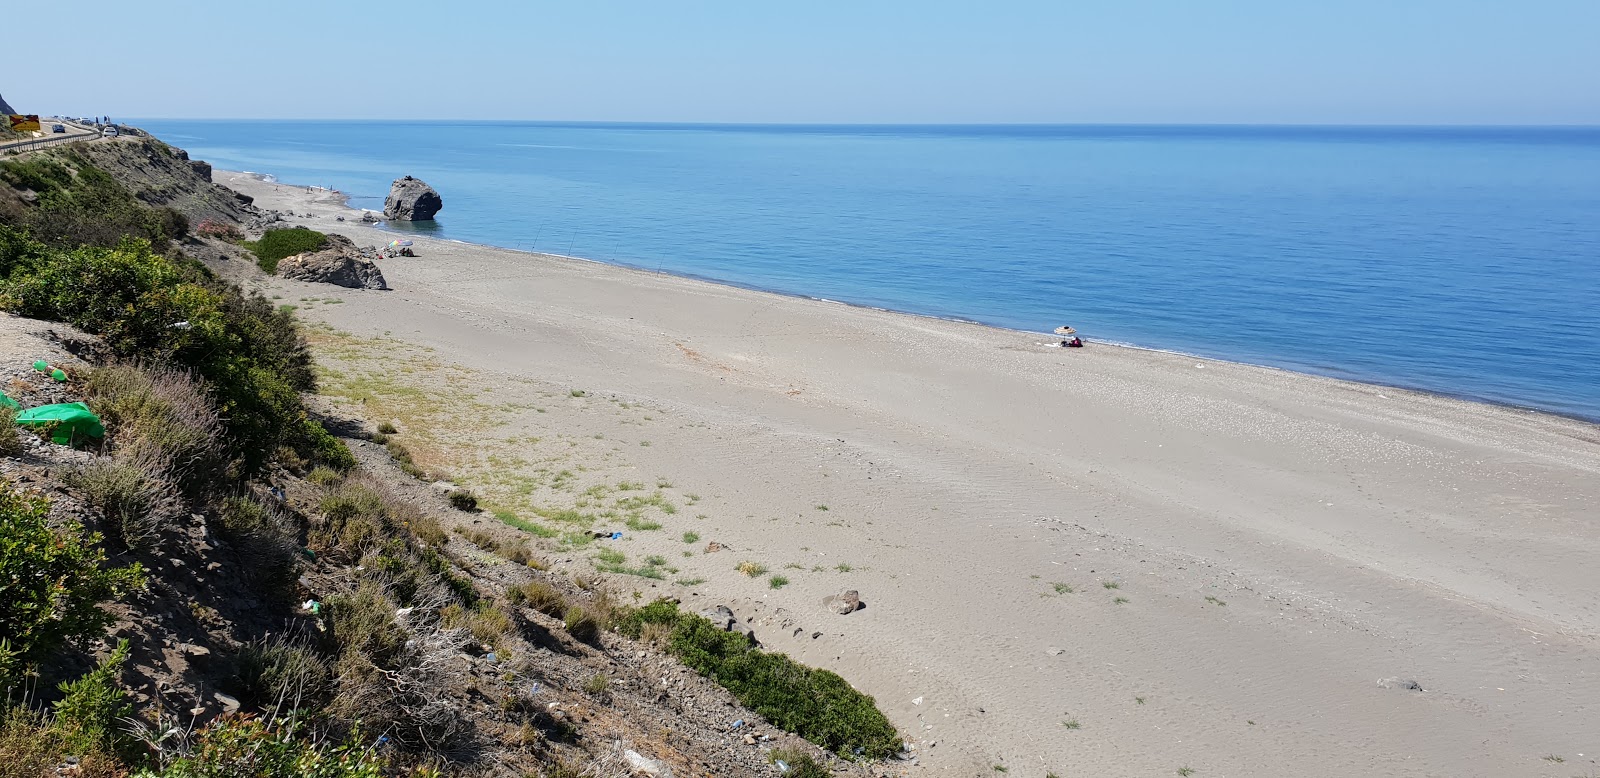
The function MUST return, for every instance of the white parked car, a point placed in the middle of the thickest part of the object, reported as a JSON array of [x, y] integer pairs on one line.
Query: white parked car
[[109, 132]]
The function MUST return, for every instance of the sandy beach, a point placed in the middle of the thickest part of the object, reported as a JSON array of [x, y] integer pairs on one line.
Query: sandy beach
[[1087, 562]]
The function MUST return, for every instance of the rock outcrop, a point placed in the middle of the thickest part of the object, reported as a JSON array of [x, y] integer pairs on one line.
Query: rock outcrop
[[339, 263], [411, 200], [159, 174], [5, 107]]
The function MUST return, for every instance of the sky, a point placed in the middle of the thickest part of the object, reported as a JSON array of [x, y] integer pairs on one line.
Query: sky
[[824, 61]]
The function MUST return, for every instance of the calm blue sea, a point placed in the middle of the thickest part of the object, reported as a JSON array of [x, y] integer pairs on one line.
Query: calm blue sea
[[1463, 261]]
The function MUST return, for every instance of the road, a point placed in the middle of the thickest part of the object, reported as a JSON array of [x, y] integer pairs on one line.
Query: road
[[75, 132]]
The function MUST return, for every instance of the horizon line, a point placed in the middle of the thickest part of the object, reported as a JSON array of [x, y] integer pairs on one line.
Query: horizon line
[[689, 123]]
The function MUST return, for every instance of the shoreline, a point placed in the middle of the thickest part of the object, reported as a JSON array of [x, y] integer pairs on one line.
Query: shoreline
[[1203, 563], [1331, 374]]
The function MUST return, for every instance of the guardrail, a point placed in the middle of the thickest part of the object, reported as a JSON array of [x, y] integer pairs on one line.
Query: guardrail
[[34, 144]]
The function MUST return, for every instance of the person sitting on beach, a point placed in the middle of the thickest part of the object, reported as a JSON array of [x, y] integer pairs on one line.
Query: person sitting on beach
[[1074, 343]]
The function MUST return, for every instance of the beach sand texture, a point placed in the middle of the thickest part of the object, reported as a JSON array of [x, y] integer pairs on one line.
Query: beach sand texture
[[1277, 543]]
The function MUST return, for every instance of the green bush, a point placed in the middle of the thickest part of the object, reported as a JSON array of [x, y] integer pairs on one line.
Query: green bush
[[325, 449], [816, 704], [275, 245], [92, 708], [251, 355], [52, 581], [324, 476], [30, 745], [236, 745]]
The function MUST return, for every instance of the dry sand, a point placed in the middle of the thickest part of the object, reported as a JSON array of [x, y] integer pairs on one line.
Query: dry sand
[[1278, 543]]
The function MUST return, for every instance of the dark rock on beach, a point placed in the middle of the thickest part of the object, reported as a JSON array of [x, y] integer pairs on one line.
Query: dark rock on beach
[[411, 200]]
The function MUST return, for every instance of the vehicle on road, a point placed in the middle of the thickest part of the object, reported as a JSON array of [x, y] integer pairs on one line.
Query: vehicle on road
[[109, 132], [58, 128]]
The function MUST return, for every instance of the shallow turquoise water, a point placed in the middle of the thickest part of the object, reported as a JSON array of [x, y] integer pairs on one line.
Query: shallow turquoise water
[[1463, 261]]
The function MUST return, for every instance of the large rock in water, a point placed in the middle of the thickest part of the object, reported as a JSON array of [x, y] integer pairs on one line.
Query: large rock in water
[[339, 263], [411, 200]]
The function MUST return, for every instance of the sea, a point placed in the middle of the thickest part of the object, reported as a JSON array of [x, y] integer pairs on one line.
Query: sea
[[1458, 260]]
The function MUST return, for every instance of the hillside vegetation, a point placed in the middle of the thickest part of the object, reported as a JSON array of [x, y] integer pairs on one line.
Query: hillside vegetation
[[222, 587]]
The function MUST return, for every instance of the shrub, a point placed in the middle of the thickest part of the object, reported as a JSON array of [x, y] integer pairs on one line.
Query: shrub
[[52, 581], [486, 623], [387, 428], [239, 745], [130, 490], [92, 708], [324, 448], [208, 228], [250, 354], [31, 746], [275, 671], [752, 569], [777, 582], [425, 527], [801, 765], [402, 459], [166, 409], [463, 500], [10, 437], [544, 598], [816, 704], [322, 475], [363, 623], [661, 611], [582, 626], [275, 245], [269, 536]]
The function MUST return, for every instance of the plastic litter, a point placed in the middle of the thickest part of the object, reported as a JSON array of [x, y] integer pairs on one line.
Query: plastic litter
[[313, 606], [738, 724], [7, 402], [783, 767], [68, 422], [41, 366], [534, 689], [58, 374], [616, 536], [492, 657]]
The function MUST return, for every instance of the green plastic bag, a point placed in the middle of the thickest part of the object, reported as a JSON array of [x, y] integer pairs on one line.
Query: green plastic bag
[[72, 421], [7, 402]]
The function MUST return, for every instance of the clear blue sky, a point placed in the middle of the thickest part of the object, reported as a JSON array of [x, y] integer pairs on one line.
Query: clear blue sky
[[1246, 61]]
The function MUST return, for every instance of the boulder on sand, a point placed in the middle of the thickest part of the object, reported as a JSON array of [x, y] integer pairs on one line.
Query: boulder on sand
[[843, 604], [339, 263], [411, 200]]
